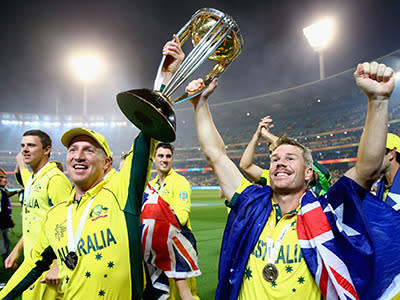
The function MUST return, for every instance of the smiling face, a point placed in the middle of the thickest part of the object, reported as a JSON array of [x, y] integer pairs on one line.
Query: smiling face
[[33, 152], [163, 160], [86, 163], [288, 172]]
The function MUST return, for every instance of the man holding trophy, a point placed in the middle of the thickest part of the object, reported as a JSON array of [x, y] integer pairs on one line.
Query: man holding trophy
[[102, 217], [216, 37]]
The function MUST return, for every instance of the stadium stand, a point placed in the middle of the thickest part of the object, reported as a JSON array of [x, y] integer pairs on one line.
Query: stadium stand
[[326, 115]]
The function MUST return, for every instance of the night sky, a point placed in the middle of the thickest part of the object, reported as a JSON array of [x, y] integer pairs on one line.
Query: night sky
[[39, 38]]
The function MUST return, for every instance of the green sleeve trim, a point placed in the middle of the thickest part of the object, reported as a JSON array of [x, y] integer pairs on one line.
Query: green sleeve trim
[[42, 265], [233, 200], [262, 181], [140, 168]]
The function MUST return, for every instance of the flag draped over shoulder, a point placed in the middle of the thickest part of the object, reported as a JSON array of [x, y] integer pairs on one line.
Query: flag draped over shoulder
[[349, 239], [167, 252], [393, 197], [350, 243]]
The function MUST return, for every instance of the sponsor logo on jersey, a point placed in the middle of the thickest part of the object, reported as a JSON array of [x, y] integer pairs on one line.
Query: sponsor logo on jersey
[[183, 196], [60, 230]]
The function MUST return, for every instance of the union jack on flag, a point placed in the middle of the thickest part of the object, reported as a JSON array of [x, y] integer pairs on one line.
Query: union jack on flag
[[331, 274], [165, 248], [351, 247]]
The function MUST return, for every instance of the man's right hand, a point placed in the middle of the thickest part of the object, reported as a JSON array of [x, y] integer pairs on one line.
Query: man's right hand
[[198, 84], [375, 80], [173, 56], [263, 128]]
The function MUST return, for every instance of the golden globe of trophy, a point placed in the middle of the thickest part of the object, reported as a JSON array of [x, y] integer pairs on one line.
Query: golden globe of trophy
[[215, 36]]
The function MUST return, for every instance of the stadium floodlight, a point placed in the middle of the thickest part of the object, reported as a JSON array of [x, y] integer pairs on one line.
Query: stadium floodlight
[[318, 36], [86, 67]]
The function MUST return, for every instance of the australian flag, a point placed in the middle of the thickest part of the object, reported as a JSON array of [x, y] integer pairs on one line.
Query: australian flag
[[351, 247], [167, 252]]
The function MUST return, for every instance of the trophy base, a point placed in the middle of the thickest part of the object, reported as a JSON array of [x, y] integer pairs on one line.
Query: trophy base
[[149, 111]]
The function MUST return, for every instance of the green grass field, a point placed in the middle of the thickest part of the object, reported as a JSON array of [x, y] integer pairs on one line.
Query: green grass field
[[208, 223]]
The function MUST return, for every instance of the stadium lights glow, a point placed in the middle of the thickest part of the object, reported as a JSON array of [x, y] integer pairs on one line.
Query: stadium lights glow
[[11, 122], [32, 123], [75, 124], [98, 124], [51, 124], [58, 124], [319, 34], [118, 123], [86, 67]]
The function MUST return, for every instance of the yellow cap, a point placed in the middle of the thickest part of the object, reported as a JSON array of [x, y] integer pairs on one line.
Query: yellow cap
[[392, 142], [70, 134]]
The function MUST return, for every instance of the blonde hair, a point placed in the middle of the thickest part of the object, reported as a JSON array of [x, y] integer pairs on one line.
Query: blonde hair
[[307, 157]]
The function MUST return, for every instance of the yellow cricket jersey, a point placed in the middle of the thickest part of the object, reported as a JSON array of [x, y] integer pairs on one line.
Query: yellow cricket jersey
[[42, 190], [176, 191], [47, 189], [294, 280], [109, 262], [110, 174]]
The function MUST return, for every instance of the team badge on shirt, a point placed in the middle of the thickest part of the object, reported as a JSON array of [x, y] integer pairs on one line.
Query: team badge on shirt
[[183, 196], [99, 211]]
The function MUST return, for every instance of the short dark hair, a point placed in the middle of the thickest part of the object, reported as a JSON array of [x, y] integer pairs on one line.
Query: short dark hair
[[387, 150], [3, 171], [45, 139], [165, 146]]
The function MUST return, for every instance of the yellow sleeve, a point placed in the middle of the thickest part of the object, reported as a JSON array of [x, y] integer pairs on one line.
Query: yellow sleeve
[[58, 189], [25, 174], [40, 259], [182, 200], [243, 185]]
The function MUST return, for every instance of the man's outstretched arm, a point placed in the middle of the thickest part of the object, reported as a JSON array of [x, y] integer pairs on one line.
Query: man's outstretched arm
[[247, 165], [377, 82], [228, 175]]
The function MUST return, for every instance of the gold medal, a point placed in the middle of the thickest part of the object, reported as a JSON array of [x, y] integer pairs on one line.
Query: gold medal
[[270, 272]]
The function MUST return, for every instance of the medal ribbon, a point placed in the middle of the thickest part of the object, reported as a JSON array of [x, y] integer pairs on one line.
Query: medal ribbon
[[272, 249], [28, 187], [73, 241]]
